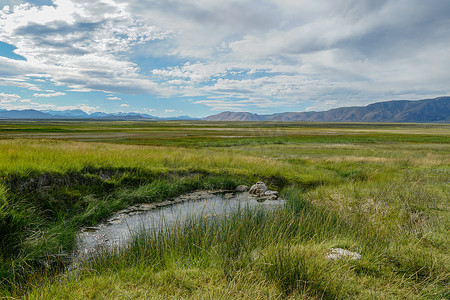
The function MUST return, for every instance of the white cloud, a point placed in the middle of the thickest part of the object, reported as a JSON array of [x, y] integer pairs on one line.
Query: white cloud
[[216, 104], [15, 102], [124, 105], [84, 107], [346, 51], [221, 105], [169, 110], [8, 98], [114, 98], [18, 82], [56, 94]]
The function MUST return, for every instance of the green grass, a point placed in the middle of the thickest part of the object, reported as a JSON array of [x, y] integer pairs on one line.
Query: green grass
[[378, 189]]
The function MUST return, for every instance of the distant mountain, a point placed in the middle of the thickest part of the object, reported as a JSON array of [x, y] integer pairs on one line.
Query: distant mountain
[[98, 115], [23, 114], [235, 116], [79, 114], [180, 118], [73, 113], [420, 111], [403, 111]]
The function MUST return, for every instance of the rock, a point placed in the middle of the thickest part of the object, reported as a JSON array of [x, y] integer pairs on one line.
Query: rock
[[258, 189], [242, 188], [339, 253]]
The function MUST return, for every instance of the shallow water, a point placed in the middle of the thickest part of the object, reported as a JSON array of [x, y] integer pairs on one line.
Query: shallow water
[[118, 230]]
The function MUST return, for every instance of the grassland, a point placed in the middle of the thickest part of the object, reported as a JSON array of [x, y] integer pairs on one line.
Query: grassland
[[379, 189]]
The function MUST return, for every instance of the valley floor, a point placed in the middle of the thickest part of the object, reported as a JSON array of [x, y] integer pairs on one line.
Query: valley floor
[[381, 190]]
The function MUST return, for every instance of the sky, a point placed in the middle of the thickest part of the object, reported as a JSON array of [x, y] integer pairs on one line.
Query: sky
[[200, 57]]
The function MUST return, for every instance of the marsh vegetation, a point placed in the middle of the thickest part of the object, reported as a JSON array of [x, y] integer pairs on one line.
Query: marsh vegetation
[[381, 190]]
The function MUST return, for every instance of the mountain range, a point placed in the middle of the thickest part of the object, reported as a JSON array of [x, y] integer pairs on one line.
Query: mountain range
[[79, 114], [435, 110]]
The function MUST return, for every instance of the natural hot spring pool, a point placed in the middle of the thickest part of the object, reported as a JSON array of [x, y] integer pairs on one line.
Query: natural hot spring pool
[[117, 230]]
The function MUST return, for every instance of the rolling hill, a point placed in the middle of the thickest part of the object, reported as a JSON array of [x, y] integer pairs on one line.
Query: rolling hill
[[403, 111]]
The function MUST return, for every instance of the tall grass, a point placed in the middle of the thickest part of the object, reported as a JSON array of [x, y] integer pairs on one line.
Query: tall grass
[[25, 156], [41, 214], [283, 250]]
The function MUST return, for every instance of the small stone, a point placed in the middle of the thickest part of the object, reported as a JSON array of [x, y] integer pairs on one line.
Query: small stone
[[271, 193], [104, 177], [254, 255], [339, 253], [90, 229], [241, 188]]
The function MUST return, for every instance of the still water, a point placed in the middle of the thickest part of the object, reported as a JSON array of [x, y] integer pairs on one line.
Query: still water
[[118, 230]]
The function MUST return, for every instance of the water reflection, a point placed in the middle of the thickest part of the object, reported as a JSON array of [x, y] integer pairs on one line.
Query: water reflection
[[118, 230]]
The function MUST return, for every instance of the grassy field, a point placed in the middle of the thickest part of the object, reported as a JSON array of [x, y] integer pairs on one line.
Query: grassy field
[[379, 189]]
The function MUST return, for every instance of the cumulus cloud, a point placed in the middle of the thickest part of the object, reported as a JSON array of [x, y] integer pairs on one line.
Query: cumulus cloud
[[235, 54], [79, 44], [124, 105], [8, 98]]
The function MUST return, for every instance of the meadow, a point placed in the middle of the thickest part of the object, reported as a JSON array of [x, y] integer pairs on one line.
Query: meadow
[[381, 190]]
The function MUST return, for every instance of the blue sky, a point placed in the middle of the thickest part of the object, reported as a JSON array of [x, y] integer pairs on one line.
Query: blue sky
[[201, 57]]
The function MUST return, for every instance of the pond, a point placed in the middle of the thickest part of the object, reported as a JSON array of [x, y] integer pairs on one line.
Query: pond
[[119, 229]]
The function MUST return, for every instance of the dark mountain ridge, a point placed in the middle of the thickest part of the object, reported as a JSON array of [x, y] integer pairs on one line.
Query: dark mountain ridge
[[235, 116], [435, 110]]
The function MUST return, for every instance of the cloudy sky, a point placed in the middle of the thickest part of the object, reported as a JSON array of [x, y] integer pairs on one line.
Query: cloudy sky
[[200, 57]]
